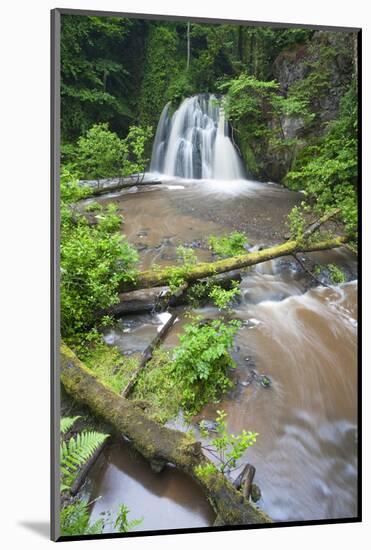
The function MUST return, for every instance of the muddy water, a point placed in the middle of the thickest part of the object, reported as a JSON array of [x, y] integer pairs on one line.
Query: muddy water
[[302, 338], [307, 419], [168, 500], [158, 219]]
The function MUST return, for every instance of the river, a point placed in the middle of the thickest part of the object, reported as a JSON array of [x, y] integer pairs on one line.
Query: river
[[303, 338]]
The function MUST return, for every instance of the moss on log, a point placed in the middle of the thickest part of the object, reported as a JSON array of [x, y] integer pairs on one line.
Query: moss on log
[[149, 279], [158, 444]]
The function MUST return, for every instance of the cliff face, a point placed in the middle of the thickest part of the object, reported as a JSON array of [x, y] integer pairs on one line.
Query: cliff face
[[318, 71]]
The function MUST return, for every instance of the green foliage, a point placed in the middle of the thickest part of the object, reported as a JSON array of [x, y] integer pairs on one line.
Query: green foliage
[[213, 54], [70, 190], [162, 68], [201, 360], [228, 245], [203, 290], [94, 260], [93, 206], [67, 422], [194, 373], [122, 523], [156, 384], [186, 259], [100, 153], [328, 170], [222, 297], [228, 448], [98, 82], [75, 452], [297, 222], [198, 293], [336, 274], [108, 363], [74, 520], [206, 470], [136, 142]]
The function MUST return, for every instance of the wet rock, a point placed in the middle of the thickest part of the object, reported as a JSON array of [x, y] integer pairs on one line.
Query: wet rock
[[256, 493]]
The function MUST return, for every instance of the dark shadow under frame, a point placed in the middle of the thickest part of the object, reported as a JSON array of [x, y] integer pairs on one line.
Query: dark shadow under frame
[[55, 278]]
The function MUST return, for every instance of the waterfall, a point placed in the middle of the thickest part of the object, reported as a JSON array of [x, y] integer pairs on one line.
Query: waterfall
[[194, 142]]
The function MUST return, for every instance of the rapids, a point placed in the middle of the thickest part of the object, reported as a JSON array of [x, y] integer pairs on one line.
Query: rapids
[[303, 338]]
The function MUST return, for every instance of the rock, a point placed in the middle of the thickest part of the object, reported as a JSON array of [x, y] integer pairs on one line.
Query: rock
[[256, 493]]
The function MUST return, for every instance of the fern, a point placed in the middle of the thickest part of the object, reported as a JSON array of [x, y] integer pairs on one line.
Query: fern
[[67, 422], [74, 520], [75, 452]]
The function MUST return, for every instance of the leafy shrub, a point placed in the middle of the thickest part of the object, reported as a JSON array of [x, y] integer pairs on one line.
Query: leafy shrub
[[228, 245], [202, 291], [136, 142], [296, 221], [222, 297], [336, 274], [93, 206], [201, 361], [94, 261], [228, 448], [328, 169], [100, 153]]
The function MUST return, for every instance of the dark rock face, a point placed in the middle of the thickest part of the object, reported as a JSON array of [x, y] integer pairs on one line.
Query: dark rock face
[[327, 58]]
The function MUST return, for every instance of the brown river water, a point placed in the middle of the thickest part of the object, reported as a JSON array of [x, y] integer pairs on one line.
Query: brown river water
[[304, 339]]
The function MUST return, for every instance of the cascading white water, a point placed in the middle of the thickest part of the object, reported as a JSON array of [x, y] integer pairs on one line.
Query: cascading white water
[[194, 143]]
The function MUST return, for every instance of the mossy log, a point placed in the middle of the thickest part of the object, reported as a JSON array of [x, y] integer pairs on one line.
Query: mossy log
[[160, 298], [149, 279], [158, 444]]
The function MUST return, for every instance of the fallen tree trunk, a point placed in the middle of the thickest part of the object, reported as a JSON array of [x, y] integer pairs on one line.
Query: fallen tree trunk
[[96, 191], [147, 354], [148, 279], [158, 444], [160, 297]]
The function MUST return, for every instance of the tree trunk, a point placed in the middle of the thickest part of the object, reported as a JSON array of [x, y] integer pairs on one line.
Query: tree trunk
[[158, 444], [149, 279], [160, 298], [147, 354], [124, 184]]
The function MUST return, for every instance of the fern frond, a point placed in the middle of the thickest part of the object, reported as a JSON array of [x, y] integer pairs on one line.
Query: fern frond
[[67, 422], [74, 520], [75, 452]]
